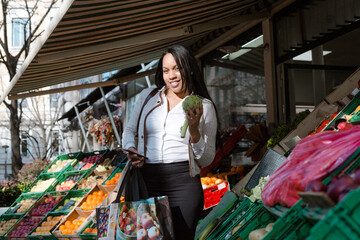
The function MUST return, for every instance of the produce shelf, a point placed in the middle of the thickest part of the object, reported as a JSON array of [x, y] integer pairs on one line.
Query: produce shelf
[[7, 222], [76, 175], [72, 194], [43, 177], [84, 155], [11, 211], [69, 166], [32, 234], [89, 236]]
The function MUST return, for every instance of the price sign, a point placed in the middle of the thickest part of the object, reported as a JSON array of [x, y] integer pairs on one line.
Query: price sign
[[68, 205]]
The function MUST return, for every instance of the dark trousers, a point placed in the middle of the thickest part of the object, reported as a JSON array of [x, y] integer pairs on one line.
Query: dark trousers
[[186, 196]]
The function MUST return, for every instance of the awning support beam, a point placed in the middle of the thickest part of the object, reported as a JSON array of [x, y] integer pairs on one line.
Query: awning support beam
[[82, 128]]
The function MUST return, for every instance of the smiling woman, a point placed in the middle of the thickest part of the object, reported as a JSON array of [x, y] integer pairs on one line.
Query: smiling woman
[[172, 164]]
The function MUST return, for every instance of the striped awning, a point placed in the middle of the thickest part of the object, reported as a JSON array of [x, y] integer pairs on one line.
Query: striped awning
[[90, 37]]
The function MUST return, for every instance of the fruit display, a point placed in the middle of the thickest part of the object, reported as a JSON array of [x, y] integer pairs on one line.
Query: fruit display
[[60, 165], [74, 202], [105, 165], [91, 181], [87, 162], [46, 226], [6, 225], [42, 185], [210, 181], [69, 183], [90, 230], [25, 227], [70, 226], [45, 206], [25, 205], [92, 200], [114, 180]]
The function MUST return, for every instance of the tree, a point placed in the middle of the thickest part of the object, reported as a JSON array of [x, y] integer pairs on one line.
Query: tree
[[36, 11], [41, 119]]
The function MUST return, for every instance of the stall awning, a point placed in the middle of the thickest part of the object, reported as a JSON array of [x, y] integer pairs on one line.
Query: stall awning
[[90, 37]]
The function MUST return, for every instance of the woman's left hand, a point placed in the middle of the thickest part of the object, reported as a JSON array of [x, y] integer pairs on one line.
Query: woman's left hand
[[194, 120]]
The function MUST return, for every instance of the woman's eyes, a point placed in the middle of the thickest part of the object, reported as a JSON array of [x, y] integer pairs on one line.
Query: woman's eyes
[[167, 70]]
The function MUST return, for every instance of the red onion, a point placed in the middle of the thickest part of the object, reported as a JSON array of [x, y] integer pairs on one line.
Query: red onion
[[316, 186]]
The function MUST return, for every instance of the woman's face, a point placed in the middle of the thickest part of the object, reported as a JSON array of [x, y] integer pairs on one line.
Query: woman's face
[[172, 75]]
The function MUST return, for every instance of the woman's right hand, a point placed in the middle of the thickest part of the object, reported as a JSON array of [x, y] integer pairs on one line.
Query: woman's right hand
[[135, 159]]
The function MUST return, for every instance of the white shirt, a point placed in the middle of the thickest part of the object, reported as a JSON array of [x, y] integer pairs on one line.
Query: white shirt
[[164, 143]]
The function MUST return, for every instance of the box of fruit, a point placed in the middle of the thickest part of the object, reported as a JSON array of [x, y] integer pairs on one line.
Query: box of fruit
[[44, 229], [23, 204], [63, 163], [89, 232], [43, 183], [114, 177], [71, 226], [7, 222], [68, 180], [89, 159], [70, 201], [45, 204], [92, 179], [23, 227], [213, 194], [93, 198]]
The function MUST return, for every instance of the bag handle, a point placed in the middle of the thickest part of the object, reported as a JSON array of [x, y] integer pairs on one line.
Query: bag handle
[[134, 186]]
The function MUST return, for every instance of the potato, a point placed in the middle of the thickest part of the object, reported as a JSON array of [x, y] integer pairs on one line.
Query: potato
[[257, 234]]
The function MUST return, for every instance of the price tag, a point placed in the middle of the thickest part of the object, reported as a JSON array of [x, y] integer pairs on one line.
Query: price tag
[[78, 167], [66, 165], [15, 208], [68, 205], [222, 185]]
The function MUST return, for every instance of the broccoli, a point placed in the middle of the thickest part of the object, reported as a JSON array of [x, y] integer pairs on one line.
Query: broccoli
[[189, 102]]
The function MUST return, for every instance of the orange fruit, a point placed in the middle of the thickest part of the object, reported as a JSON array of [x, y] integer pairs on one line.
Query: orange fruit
[[100, 193], [68, 223], [62, 227], [94, 230]]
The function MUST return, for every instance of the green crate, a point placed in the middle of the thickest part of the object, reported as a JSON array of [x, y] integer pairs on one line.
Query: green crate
[[260, 219], [71, 194], [43, 177], [35, 196], [240, 219], [8, 217], [351, 205], [47, 236], [336, 225], [89, 236], [236, 210], [75, 155], [291, 225], [88, 154], [227, 202], [347, 110], [116, 170], [63, 177], [42, 199]]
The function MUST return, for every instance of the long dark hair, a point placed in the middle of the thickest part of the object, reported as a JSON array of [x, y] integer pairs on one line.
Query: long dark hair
[[190, 74]]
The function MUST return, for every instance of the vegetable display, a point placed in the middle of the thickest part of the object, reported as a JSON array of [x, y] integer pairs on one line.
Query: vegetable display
[[313, 158]]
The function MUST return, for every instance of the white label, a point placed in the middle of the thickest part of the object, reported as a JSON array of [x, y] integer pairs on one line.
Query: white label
[[222, 185]]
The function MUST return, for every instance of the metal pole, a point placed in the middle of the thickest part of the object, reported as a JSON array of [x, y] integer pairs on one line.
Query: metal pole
[[110, 117], [5, 148], [82, 127]]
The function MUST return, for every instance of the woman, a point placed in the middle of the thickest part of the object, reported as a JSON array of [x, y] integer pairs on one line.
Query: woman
[[172, 163]]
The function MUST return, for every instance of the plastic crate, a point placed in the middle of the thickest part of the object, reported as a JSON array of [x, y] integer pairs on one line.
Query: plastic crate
[[12, 209], [72, 194], [31, 235], [43, 177], [260, 219], [86, 236], [79, 165], [41, 201], [213, 194], [19, 225], [3, 220], [291, 225], [347, 110], [237, 210], [116, 170], [65, 176], [75, 156]]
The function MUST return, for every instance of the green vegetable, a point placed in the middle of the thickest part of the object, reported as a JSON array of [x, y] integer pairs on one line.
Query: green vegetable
[[190, 101], [256, 191]]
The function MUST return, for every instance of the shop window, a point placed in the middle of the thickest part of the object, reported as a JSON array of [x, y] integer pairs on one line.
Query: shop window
[[20, 30]]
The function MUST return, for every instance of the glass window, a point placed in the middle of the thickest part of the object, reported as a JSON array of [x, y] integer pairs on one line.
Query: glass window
[[19, 31], [54, 99]]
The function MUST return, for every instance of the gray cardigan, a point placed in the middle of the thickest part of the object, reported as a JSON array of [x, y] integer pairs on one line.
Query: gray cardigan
[[207, 127]]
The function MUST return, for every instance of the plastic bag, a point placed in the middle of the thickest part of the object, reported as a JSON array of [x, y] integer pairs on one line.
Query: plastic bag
[[313, 158]]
